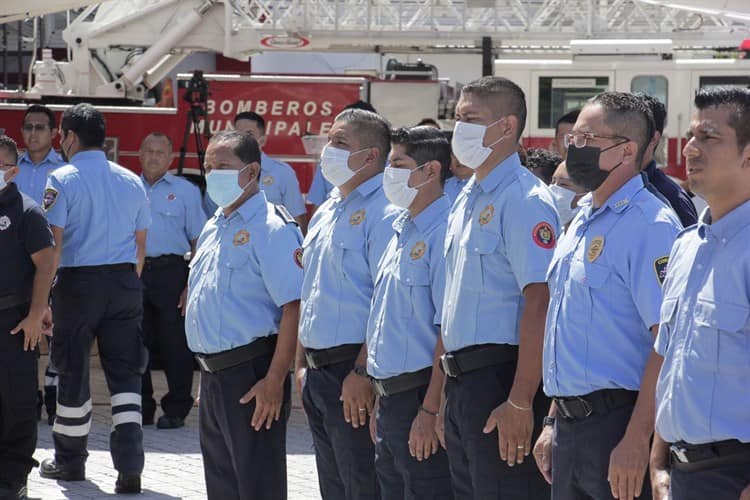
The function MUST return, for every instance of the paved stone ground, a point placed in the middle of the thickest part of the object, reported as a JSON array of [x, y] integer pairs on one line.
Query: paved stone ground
[[174, 468]]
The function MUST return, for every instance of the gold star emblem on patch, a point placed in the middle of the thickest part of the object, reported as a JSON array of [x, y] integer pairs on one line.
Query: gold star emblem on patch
[[241, 237], [595, 248], [267, 180], [357, 217], [487, 214], [417, 251]]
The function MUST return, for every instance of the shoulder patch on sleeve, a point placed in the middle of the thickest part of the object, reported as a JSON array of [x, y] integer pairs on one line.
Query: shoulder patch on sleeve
[[282, 212], [49, 198], [660, 268], [544, 235], [298, 257]]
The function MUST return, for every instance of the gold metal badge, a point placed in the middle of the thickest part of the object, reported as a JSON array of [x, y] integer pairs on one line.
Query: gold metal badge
[[241, 237], [595, 248]]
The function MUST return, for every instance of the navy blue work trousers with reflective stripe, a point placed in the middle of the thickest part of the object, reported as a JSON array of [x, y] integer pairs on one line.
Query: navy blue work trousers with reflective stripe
[[106, 306]]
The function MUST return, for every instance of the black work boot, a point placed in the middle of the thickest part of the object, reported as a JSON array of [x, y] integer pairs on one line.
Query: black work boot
[[51, 470], [128, 483]]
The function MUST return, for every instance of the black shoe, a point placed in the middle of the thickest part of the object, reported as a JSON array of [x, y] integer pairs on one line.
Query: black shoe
[[50, 470], [128, 483], [147, 420], [167, 422]]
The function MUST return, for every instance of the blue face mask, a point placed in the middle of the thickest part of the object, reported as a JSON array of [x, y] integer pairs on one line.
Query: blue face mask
[[223, 186]]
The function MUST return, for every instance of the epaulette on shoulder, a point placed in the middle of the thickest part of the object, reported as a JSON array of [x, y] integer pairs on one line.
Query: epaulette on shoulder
[[282, 212]]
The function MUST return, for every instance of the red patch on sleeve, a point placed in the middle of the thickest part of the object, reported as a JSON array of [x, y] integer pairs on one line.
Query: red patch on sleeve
[[544, 235]]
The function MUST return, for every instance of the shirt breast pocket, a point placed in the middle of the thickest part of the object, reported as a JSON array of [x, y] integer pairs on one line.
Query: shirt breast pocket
[[588, 274], [479, 248], [236, 265], [722, 337], [351, 244], [172, 210], [414, 279]]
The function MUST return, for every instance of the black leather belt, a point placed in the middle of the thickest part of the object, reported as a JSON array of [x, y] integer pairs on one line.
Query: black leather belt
[[106, 268], [692, 457], [318, 358], [475, 357], [212, 363], [600, 402], [165, 260], [10, 301], [402, 383]]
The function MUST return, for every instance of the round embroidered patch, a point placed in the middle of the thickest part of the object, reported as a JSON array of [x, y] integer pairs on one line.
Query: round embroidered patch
[[298, 257], [544, 235]]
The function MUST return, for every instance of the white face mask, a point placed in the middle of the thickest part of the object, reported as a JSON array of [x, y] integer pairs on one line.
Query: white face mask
[[396, 186], [223, 186], [468, 140], [3, 182], [334, 164], [563, 201]]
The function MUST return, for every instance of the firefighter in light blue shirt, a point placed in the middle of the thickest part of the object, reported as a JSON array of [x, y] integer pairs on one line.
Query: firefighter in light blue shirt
[[403, 332], [241, 321], [702, 395], [501, 234], [605, 285], [177, 218], [278, 180], [342, 251], [99, 215], [39, 159]]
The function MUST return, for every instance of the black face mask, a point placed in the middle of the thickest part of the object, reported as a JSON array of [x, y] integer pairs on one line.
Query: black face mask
[[583, 166]]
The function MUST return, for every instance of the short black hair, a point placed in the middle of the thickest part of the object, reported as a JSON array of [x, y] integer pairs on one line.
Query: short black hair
[[425, 144], [502, 95], [627, 115], [569, 117], [160, 135], [428, 121], [365, 106], [87, 122], [253, 117], [244, 146], [737, 100], [544, 160], [10, 145], [38, 108], [658, 111], [371, 129]]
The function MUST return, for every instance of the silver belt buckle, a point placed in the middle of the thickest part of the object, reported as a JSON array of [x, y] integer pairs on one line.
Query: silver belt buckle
[[202, 362], [680, 454]]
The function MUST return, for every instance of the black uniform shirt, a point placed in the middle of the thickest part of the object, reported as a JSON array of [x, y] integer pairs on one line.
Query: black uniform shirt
[[23, 232]]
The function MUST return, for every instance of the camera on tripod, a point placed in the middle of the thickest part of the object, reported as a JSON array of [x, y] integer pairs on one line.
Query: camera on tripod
[[196, 91]]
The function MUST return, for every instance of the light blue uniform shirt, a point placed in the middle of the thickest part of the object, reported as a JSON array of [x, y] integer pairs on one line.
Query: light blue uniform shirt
[[703, 391], [177, 215], [320, 189], [246, 267], [279, 183], [453, 186], [605, 290], [500, 238], [32, 179], [100, 205], [408, 299], [342, 251]]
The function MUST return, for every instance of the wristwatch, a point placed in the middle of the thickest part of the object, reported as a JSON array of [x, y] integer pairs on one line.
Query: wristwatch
[[549, 421], [360, 370]]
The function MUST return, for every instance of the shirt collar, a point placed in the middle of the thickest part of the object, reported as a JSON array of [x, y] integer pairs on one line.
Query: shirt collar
[[435, 213], [52, 157], [498, 176], [728, 226], [167, 177], [91, 155], [619, 200], [9, 194], [364, 189], [252, 206]]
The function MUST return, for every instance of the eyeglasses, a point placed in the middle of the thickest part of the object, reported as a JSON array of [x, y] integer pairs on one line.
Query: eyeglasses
[[580, 139], [30, 127]]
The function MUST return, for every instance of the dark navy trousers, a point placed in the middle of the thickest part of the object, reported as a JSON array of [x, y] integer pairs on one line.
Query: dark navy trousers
[[18, 386], [401, 476], [724, 482], [345, 456], [239, 462], [103, 305], [580, 455], [477, 472]]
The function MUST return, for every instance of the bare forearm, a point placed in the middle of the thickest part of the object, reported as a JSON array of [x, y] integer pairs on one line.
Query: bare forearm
[[286, 341], [43, 276], [140, 257], [531, 341], [300, 361], [641, 423], [659, 453], [435, 388]]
